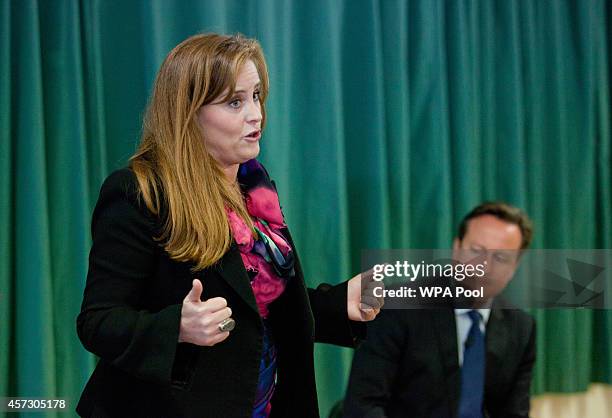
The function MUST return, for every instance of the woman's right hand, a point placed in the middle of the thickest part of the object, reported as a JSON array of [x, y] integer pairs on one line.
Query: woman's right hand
[[200, 319]]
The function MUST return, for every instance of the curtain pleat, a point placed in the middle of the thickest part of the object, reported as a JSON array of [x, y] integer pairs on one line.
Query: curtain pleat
[[6, 203]]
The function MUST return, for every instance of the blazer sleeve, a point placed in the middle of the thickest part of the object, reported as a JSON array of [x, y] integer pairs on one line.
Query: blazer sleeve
[[113, 324], [375, 367], [517, 402], [330, 313]]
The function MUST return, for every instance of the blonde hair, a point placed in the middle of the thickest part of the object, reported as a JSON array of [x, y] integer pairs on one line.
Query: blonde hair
[[173, 168]]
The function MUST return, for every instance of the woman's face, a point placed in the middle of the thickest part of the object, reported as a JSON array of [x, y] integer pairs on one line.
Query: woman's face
[[232, 128]]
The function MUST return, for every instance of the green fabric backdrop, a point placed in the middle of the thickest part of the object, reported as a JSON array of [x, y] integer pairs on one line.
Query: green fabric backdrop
[[388, 120]]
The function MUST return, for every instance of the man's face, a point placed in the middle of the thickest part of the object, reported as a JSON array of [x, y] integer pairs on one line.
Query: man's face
[[495, 241]]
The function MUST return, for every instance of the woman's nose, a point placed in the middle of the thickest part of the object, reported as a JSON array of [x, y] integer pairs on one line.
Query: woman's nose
[[253, 113]]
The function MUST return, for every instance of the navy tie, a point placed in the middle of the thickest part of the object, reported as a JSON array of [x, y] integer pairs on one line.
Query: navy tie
[[473, 371]]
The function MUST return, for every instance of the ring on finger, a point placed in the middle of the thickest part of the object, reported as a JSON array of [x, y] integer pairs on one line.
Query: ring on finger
[[227, 324]]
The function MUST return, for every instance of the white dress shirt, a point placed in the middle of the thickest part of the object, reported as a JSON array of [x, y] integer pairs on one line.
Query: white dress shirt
[[464, 323]]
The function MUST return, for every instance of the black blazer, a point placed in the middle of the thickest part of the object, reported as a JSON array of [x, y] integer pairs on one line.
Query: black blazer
[[408, 366], [130, 318]]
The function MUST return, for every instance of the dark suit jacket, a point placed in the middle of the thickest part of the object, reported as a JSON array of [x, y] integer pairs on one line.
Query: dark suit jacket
[[408, 366], [131, 314]]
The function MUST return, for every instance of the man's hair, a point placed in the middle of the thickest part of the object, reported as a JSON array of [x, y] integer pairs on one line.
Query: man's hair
[[504, 212]]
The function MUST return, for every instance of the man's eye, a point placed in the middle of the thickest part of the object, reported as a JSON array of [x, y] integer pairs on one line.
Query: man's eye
[[235, 104], [477, 251], [502, 258]]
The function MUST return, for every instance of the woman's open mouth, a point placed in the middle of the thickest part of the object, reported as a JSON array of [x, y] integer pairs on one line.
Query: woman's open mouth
[[254, 136]]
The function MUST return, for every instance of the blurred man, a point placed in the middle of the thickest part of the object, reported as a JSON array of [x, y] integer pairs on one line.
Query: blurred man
[[457, 361]]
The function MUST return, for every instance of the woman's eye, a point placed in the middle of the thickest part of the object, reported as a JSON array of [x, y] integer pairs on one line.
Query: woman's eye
[[235, 104], [256, 96]]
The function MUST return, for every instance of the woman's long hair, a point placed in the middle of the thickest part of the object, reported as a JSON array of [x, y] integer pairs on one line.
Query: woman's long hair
[[176, 174]]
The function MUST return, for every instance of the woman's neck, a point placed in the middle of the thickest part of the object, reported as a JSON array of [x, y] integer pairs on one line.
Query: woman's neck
[[231, 172]]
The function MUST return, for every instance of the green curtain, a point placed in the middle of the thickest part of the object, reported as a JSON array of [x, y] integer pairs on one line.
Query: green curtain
[[388, 120]]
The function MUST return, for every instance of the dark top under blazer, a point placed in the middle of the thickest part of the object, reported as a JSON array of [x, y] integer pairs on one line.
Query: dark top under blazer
[[408, 366], [130, 318]]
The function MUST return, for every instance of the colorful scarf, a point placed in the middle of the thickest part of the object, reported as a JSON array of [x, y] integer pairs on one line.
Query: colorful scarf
[[267, 259]]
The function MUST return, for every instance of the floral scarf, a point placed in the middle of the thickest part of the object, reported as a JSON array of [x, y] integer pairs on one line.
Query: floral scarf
[[260, 254]]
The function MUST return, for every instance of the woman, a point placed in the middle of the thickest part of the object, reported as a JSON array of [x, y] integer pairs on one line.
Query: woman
[[195, 299]]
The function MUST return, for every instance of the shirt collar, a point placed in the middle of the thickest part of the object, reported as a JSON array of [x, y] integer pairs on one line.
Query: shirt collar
[[484, 313]]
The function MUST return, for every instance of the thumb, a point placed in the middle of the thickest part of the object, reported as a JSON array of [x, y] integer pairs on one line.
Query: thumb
[[196, 292]]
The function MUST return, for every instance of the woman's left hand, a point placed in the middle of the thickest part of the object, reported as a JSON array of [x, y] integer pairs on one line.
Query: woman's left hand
[[361, 303]]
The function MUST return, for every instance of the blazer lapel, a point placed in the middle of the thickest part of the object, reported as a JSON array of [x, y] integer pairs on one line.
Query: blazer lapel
[[444, 323], [497, 337], [231, 268]]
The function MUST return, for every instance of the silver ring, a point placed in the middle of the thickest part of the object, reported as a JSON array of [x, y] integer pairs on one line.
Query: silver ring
[[227, 324]]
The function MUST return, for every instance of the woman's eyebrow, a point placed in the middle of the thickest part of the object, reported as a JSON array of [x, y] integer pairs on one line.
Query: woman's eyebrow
[[255, 87]]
